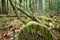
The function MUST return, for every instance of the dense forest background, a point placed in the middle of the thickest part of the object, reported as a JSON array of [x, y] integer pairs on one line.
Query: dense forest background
[[35, 6], [29, 19]]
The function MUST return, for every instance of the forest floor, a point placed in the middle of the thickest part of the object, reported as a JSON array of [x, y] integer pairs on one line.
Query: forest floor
[[10, 27]]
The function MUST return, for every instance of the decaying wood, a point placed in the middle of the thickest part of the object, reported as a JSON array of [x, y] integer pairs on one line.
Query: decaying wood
[[28, 14]]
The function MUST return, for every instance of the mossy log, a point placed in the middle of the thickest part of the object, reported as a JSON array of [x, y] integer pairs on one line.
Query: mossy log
[[35, 31]]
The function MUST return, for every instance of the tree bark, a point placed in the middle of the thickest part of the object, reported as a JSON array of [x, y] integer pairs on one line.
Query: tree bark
[[28, 14], [14, 8], [20, 1], [3, 6]]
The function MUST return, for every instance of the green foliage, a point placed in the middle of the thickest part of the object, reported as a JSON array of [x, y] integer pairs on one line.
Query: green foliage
[[26, 21], [4, 19], [35, 31], [44, 18], [4, 22]]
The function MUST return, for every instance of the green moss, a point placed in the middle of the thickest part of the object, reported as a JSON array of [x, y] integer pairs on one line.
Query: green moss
[[26, 21], [4, 19], [44, 19], [35, 31]]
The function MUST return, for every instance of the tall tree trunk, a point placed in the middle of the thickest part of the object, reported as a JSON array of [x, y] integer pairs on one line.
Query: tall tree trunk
[[20, 1], [3, 6], [39, 6], [14, 8]]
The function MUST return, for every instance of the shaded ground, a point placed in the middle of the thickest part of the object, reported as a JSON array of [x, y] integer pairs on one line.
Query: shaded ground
[[10, 27]]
